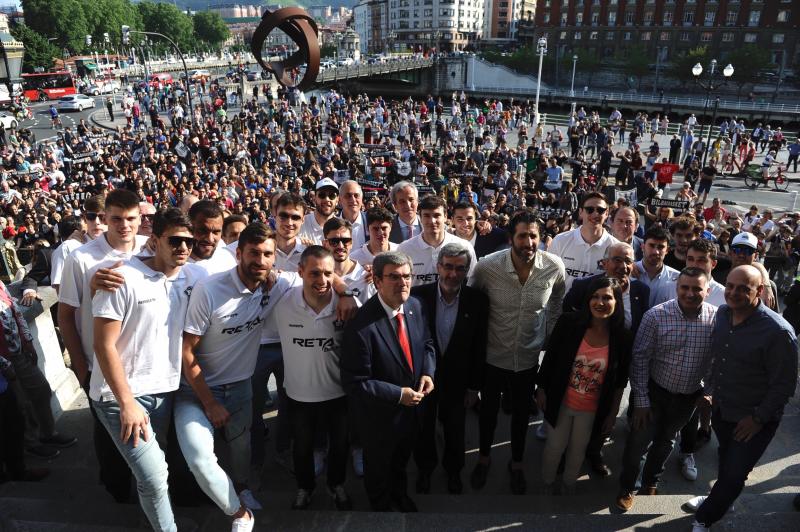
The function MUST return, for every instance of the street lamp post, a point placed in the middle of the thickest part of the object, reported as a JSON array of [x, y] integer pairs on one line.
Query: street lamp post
[[541, 49], [126, 31], [572, 85], [710, 86]]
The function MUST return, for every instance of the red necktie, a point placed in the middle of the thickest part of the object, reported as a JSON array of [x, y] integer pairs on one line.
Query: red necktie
[[402, 337]]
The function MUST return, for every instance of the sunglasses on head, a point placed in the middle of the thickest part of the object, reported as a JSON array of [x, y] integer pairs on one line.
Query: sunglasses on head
[[592, 210], [287, 216], [336, 241], [92, 216], [176, 241], [743, 250]]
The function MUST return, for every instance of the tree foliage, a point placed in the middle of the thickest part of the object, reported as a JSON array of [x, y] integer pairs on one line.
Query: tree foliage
[[636, 63], [168, 20], [210, 28], [39, 52], [748, 61]]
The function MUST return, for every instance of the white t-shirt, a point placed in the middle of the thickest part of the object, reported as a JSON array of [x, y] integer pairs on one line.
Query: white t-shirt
[[311, 345], [358, 231], [424, 257], [289, 262], [269, 332], [311, 229], [75, 291], [59, 257], [356, 281], [229, 318], [364, 256], [580, 259], [220, 261], [152, 309]]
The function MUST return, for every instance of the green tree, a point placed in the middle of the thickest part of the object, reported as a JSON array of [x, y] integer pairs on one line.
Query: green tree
[[636, 63], [748, 62], [108, 16], [210, 28], [170, 21], [680, 67], [587, 64], [39, 52], [63, 19]]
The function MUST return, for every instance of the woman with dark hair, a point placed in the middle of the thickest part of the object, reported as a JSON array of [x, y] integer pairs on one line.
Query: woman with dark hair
[[582, 377]]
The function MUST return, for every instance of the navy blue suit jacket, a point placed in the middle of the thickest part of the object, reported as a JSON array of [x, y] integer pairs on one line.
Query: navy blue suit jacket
[[373, 368], [640, 298]]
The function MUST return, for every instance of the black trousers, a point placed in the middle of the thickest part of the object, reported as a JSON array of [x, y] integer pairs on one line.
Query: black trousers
[[387, 449], [12, 436], [308, 419], [115, 474], [446, 405], [521, 385]]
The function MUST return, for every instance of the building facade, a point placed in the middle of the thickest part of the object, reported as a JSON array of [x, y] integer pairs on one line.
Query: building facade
[[445, 25], [667, 27], [371, 23], [502, 17]]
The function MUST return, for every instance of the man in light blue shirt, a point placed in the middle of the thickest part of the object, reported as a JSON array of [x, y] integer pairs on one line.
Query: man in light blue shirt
[[652, 271]]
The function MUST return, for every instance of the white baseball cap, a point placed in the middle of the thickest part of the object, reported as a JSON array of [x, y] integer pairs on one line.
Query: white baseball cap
[[745, 239], [326, 182]]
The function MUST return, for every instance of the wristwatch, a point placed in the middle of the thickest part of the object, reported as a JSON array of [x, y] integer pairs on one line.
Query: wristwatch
[[348, 293]]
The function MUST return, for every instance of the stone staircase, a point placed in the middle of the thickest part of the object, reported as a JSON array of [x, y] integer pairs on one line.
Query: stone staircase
[[71, 500]]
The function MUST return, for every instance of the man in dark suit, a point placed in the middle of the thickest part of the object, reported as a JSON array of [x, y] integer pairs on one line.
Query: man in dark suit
[[458, 316], [405, 198], [618, 263], [387, 365]]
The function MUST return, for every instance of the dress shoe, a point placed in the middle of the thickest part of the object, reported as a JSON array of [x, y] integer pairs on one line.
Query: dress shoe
[[454, 484], [599, 466], [478, 477], [648, 490], [518, 483], [424, 482], [625, 500], [405, 504]]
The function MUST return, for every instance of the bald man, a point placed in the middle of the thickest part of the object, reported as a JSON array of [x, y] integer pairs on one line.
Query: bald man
[[754, 374], [187, 201]]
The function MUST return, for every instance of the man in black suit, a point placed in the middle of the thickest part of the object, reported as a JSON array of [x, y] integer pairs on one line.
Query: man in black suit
[[619, 263], [465, 221], [458, 316], [387, 364], [405, 198]]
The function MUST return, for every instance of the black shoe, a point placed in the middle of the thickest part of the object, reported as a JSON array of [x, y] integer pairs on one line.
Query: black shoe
[[454, 484], [45, 452], [59, 440], [302, 499], [518, 483], [599, 466], [405, 504], [424, 482], [340, 498], [478, 477]]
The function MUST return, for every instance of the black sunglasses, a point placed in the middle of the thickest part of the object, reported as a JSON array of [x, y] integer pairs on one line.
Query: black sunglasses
[[148, 217], [592, 210], [743, 250], [336, 241], [326, 194], [287, 216], [92, 216], [176, 241]]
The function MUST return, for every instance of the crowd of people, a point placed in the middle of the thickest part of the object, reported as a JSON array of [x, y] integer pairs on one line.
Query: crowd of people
[[395, 265]]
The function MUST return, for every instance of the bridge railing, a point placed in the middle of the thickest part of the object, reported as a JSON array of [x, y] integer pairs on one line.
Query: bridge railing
[[361, 70]]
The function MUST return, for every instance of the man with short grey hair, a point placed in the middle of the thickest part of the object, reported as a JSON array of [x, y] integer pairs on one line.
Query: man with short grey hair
[[351, 200], [405, 198], [457, 316]]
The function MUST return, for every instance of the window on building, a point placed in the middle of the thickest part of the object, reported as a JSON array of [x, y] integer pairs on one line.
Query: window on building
[[627, 36], [609, 35], [577, 36], [783, 16], [595, 18], [755, 17], [777, 38], [705, 36], [593, 36], [664, 36], [750, 37], [563, 35], [628, 18], [667, 17], [709, 18], [563, 19], [612, 18], [547, 18], [646, 35], [684, 36], [427, 12], [731, 17], [688, 17], [648, 17], [727, 37], [579, 19]]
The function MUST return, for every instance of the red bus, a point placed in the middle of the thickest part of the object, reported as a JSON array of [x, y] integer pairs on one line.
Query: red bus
[[48, 85]]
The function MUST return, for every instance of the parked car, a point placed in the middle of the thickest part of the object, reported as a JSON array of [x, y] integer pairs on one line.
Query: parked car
[[100, 86], [163, 78], [8, 120], [75, 102], [253, 75]]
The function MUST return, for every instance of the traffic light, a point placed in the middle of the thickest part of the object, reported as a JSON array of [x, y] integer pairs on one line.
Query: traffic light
[[126, 35]]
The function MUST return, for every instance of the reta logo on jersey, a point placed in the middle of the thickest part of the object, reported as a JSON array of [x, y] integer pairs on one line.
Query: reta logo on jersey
[[249, 326], [427, 277], [326, 344]]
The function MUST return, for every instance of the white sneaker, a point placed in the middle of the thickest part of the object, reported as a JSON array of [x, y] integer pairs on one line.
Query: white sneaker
[[541, 432], [697, 527], [249, 500], [695, 502], [244, 525], [688, 467], [319, 462], [358, 462]]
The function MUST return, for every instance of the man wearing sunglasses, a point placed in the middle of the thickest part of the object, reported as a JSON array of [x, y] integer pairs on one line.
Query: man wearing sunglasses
[[338, 240], [325, 201], [581, 249], [93, 225], [290, 209], [147, 212], [133, 387]]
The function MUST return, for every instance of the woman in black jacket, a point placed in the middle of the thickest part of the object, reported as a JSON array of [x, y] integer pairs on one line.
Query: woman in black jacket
[[582, 377]]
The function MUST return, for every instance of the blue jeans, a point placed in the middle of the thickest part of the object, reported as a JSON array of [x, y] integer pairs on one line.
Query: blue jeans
[[196, 438], [146, 460], [670, 412], [270, 361], [736, 460]]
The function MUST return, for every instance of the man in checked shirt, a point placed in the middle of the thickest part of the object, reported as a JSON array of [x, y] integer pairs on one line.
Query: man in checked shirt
[[671, 355]]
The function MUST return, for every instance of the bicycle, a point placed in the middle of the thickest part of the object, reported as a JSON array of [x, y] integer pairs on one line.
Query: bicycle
[[754, 176]]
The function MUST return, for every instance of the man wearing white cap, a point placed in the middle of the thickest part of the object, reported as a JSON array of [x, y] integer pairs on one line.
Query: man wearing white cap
[[325, 201]]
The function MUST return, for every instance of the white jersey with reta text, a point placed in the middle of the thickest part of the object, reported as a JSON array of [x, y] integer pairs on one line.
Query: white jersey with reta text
[[311, 346], [229, 318], [151, 308], [424, 257], [580, 259], [75, 291]]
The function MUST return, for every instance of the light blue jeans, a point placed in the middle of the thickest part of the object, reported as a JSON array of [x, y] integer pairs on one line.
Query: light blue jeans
[[147, 461], [196, 438]]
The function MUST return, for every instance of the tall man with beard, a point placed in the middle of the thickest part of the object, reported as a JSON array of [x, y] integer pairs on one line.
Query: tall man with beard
[[325, 200], [209, 253]]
